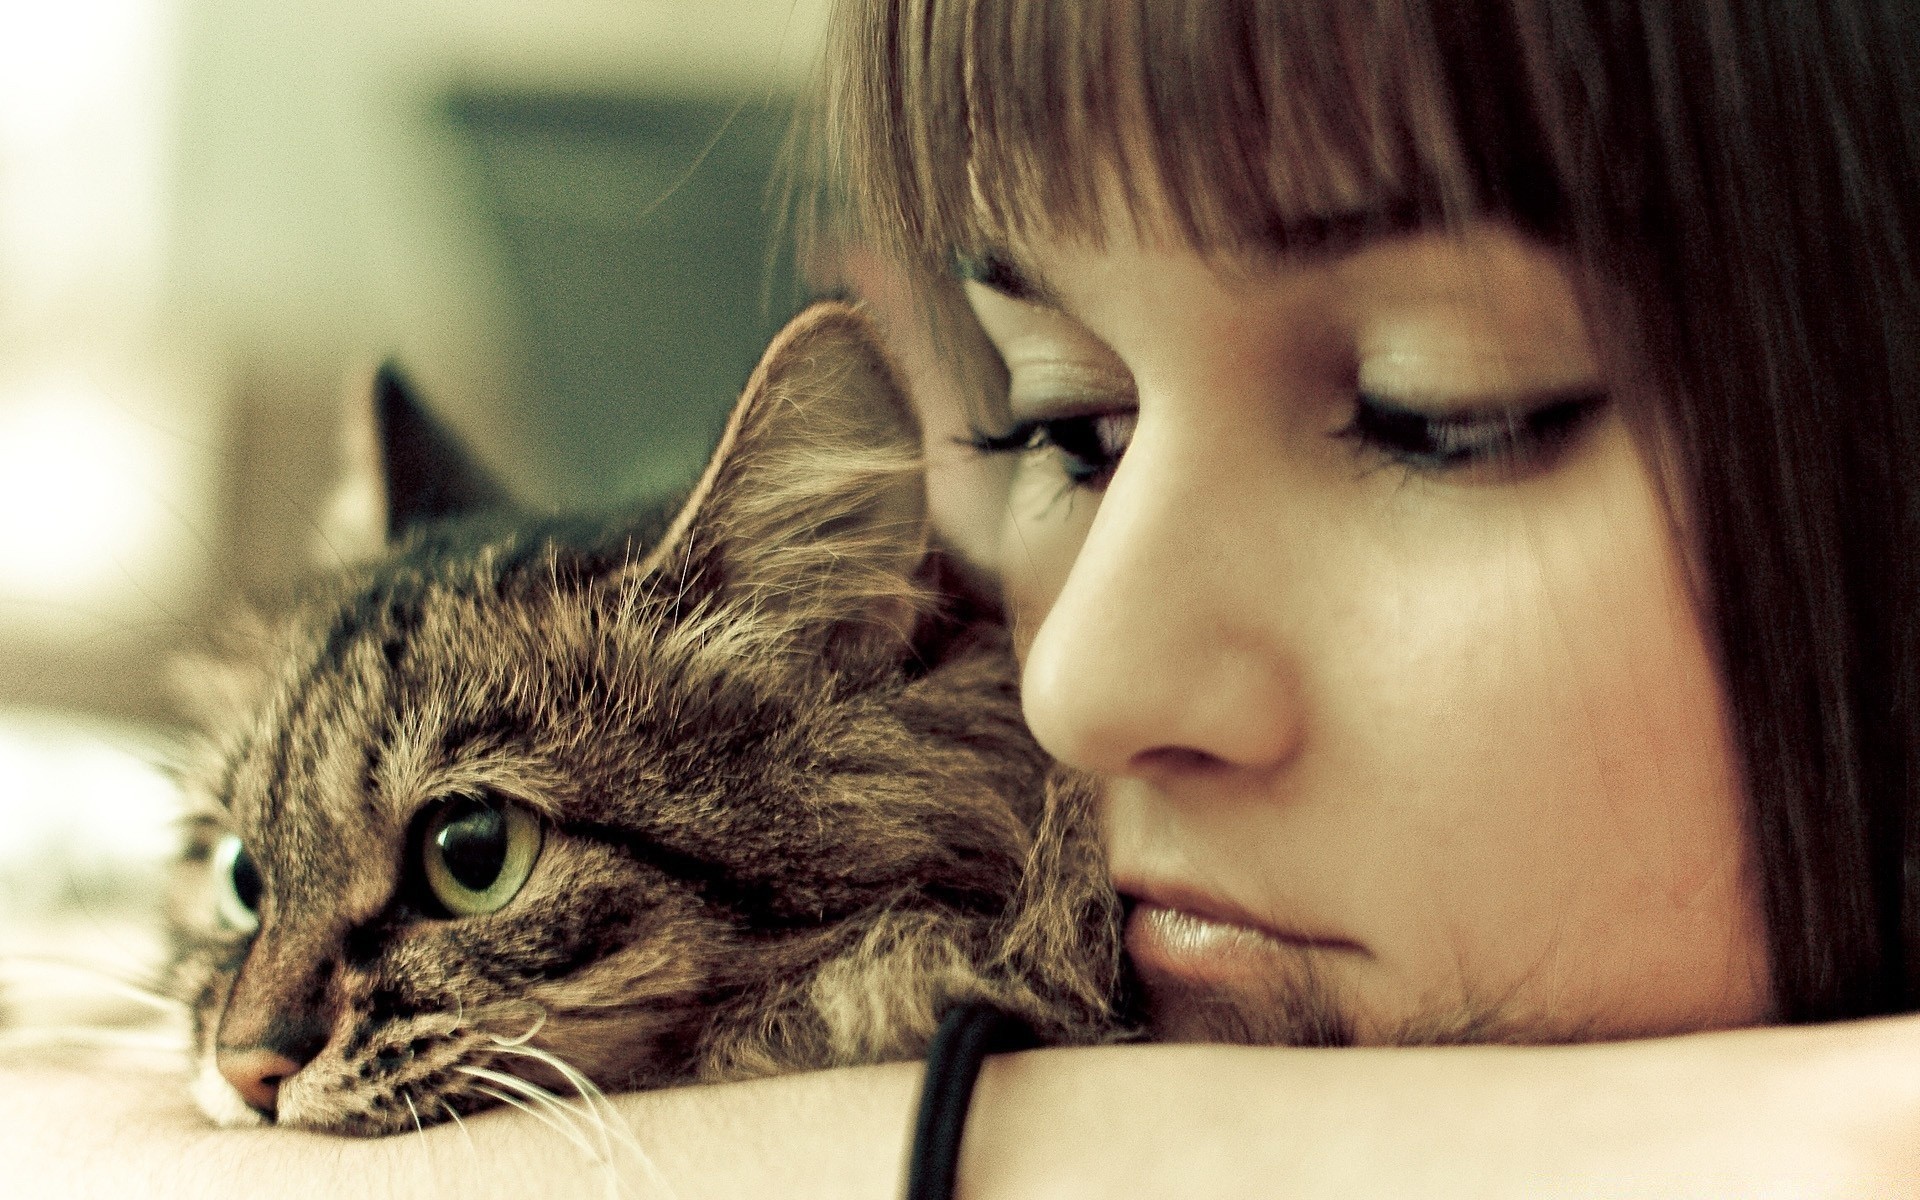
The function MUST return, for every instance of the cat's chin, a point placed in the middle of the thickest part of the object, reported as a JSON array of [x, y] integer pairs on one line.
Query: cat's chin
[[218, 1099]]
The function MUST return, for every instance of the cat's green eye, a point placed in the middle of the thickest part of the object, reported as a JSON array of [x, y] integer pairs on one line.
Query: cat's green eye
[[236, 885], [477, 851]]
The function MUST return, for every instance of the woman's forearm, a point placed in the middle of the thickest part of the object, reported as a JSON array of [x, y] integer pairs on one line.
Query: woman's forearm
[[840, 1134], [1804, 1112], [1800, 1112]]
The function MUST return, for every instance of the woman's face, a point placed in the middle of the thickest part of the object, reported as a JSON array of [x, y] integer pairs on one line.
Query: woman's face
[[1344, 573]]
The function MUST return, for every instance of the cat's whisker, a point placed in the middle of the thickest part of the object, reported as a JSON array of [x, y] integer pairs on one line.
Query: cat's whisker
[[519, 1047], [118, 983], [419, 1127], [607, 1119], [92, 1037], [559, 1127], [559, 1109], [589, 1091], [455, 1114], [532, 1091], [539, 1023]]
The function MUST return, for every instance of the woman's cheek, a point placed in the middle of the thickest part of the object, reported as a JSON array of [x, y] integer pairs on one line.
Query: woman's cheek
[[1543, 724], [1043, 524], [966, 495]]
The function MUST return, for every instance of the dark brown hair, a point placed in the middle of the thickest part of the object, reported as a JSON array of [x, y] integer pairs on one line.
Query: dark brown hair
[[1738, 175]]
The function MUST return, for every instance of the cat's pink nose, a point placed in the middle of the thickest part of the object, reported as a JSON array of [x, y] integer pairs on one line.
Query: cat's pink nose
[[256, 1074]]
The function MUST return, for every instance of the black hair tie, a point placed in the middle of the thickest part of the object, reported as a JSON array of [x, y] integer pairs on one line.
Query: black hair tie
[[967, 1034]]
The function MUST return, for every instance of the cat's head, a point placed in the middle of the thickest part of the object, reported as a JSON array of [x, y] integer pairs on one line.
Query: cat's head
[[522, 793]]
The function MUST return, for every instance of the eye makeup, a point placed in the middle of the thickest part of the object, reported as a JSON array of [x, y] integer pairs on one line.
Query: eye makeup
[[1089, 446], [1514, 436]]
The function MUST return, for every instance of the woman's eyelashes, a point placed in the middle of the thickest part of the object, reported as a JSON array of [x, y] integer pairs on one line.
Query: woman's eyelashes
[[1088, 446], [1510, 438]]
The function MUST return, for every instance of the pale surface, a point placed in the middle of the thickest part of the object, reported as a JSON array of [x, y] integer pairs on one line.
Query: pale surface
[[1787, 1113]]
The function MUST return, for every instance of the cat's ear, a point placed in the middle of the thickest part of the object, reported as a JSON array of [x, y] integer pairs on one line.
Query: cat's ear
[[813, 509], [403, 467]]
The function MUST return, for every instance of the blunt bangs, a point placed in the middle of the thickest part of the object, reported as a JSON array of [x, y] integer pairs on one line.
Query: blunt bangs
[[953, 123]]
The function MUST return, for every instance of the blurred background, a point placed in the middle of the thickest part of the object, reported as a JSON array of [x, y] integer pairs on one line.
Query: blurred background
[[216, 215]]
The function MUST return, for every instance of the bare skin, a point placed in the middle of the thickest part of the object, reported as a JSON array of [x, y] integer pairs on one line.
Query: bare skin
[[1816, 1112]]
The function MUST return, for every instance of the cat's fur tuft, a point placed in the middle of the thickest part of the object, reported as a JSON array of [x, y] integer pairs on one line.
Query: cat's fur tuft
[[790, 808]]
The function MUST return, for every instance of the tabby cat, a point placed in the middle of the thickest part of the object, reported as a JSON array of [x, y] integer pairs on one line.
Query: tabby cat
[[650, 801]]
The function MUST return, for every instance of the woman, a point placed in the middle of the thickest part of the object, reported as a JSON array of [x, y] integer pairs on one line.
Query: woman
[[1487, 419], [1449, 477]]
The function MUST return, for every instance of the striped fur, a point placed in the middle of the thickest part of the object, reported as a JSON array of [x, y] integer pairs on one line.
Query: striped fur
[[790, 806]]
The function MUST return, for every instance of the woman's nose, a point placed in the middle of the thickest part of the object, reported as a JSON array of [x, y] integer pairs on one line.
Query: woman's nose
[[1164, 648]]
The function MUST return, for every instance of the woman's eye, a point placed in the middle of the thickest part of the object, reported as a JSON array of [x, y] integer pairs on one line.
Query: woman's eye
[[1089, 447], [476, 852], [1515, 437], [236, 885]]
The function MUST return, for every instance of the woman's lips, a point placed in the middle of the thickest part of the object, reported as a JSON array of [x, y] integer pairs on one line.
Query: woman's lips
[[1169, 937]]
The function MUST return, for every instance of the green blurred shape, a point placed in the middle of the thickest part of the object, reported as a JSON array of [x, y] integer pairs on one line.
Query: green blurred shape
[[637, 239]]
